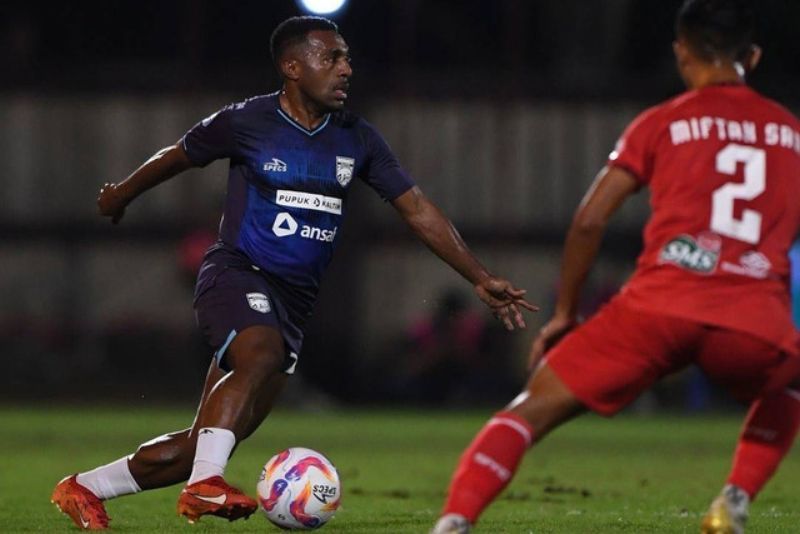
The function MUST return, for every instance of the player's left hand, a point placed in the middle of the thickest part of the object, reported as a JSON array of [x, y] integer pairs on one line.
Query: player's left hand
[[550, 334], [505, 300]]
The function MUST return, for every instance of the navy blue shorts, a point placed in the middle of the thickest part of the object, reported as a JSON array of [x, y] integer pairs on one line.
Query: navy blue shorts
[[232, 294]]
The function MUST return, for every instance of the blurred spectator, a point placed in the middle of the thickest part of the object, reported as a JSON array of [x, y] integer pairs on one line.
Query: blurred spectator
[[191, 251], [455, 355]]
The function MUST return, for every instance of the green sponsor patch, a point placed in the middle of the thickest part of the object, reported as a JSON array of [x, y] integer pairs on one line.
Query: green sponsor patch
[[684, 251]]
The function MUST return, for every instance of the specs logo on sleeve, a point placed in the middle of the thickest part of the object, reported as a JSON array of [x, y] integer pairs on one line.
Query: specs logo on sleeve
[[275, 165]]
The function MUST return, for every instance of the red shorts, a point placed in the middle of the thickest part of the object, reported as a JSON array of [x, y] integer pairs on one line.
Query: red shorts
[[621, 351]]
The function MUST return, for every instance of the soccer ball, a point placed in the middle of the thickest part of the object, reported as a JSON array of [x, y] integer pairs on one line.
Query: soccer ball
[[299, 489]]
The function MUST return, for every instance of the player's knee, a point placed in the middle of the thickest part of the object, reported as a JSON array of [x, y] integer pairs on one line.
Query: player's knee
[[545, 404], [258, 352]]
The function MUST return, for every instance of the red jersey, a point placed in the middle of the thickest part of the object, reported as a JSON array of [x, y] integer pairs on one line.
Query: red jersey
[[723, 167]]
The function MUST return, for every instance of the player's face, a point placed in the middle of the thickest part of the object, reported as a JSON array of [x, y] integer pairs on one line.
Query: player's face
[[325, 69]]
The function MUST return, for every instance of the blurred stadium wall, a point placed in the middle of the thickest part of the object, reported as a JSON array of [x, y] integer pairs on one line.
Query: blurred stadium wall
[[503, 111]]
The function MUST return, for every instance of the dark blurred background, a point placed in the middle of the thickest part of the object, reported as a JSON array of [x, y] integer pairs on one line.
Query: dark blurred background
[[503, 111]]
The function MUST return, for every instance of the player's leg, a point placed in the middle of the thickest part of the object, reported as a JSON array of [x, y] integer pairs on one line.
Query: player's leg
[[767, 436], [224, 307], [232, 406], [167, 459], [588, 369], [242, 320], [239, 401], [770, 426], [235, 407], [768, 433], [488, 464], [162, 461]]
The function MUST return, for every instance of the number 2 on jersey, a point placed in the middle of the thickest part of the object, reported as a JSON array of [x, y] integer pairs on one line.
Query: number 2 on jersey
[[748, 228]]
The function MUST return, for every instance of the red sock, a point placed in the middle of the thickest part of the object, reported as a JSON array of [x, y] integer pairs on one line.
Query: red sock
[[488, 464], [768, 434]]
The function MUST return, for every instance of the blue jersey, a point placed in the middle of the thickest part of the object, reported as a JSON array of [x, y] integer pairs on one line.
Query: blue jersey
[[287, 185]]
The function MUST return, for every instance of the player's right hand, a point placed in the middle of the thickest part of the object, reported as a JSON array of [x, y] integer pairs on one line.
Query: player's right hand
[[504, 300], [111, 203], [550, 334]]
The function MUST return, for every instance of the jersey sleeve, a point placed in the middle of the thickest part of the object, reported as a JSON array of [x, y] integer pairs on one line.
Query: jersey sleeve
[[383, 172], [634, 150], [211, 139]]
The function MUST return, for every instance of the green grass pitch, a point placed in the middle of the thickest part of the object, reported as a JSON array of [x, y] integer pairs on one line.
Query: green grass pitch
[[630, 474]]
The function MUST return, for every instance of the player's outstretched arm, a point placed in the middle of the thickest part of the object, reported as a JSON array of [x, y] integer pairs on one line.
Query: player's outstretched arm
[[439, 234], [610, 189], [163, 165]]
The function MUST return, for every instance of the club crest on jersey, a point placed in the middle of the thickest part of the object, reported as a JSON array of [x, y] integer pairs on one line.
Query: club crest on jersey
[[259, 302], [344, 170], [699, 255]]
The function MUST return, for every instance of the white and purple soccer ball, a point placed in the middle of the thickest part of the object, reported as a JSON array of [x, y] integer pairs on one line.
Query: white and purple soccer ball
[[299, 489]]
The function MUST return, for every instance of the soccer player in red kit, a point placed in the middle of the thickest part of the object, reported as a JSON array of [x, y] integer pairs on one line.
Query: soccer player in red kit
[[710, 288]]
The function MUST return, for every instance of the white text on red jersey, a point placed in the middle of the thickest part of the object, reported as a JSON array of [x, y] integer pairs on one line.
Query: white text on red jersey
[[701, 128]]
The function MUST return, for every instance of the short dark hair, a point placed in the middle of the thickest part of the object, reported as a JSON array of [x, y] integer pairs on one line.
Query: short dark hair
[[294, 30], [715, 28]]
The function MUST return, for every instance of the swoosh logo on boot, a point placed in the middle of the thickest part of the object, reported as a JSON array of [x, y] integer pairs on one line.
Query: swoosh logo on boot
[[219, 499]]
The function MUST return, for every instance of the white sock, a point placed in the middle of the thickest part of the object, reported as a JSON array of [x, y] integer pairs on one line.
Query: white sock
[[738, 499], [109, 481], [214, 446]]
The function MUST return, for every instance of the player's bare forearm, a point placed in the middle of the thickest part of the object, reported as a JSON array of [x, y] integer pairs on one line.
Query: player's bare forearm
[[580, 250], [609, 190], [163, 165], [438, 233]]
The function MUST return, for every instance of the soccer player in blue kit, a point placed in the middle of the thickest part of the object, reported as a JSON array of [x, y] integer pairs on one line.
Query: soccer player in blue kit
[[292, 157]]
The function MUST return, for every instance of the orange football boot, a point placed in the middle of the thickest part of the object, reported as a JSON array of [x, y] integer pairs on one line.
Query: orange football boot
[[80, 504], [213, 496]]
